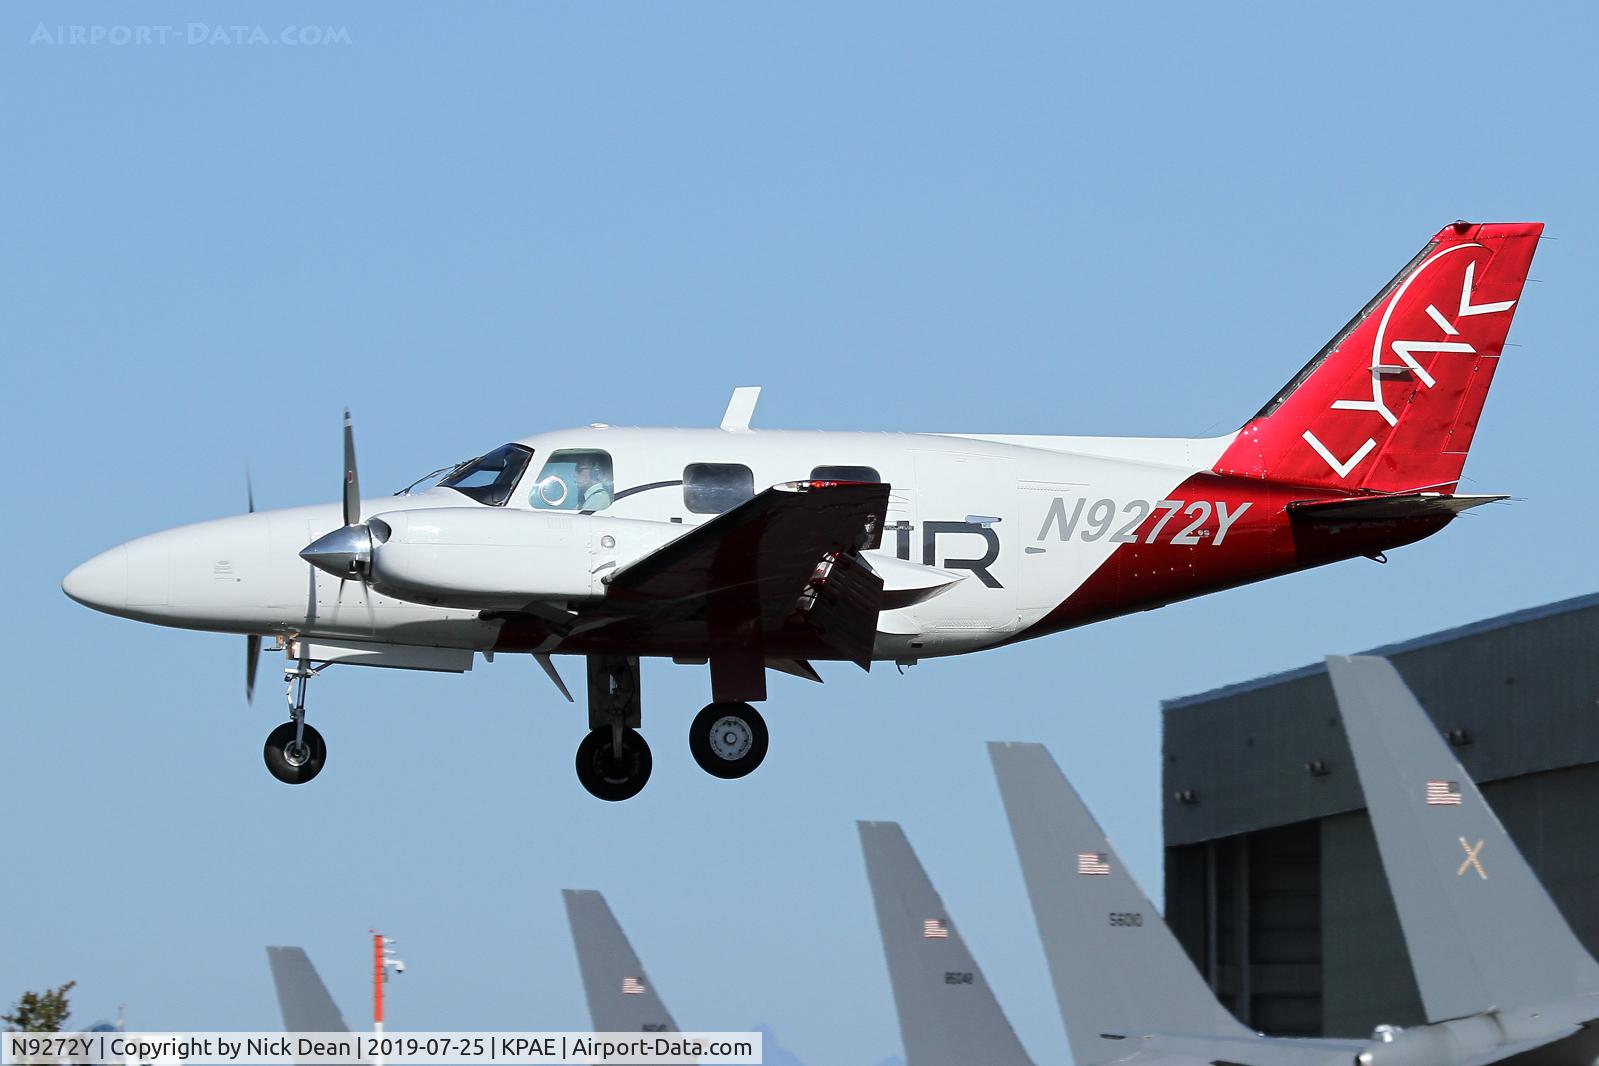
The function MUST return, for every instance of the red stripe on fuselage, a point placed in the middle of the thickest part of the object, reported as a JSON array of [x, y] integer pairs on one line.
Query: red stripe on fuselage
[[1263, 542]]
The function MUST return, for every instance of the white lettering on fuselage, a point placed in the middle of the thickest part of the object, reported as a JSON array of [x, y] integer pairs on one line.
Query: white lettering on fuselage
[[1091, 521]]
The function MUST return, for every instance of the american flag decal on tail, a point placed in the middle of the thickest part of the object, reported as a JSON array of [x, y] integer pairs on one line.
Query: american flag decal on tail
[[632, 986], [1443, 793], [934, 929], [1093, 864]]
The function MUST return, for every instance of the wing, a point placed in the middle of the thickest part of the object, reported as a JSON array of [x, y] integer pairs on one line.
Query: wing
[[781, 571]]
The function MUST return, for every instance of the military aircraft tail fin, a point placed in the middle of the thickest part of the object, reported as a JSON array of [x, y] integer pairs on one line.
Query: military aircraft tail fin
[[306, 1004], [948, 1015], [1117, 968], [622, 998], [1481, 930]]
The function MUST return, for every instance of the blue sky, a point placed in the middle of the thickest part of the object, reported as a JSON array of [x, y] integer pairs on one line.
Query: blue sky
[[471, 223]]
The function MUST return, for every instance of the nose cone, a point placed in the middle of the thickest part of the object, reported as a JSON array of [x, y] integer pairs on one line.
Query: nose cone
[[102, 582], [130, 580], [342, 553]]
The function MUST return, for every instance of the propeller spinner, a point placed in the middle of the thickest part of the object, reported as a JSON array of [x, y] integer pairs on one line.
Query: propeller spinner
[[347, 551]]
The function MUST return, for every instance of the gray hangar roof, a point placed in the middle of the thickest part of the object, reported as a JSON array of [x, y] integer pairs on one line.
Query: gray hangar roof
[[1517, 694]]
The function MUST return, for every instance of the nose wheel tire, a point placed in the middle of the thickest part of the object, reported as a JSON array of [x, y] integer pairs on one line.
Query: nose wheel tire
[[728, 740], [608, 776], [294, 763]]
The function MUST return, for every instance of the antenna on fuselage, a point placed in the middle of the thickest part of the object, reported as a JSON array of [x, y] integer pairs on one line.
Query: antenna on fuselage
[[740, 409]]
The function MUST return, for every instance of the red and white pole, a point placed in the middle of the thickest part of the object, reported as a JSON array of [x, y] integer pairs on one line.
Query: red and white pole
[[379, 975], [383, 961]]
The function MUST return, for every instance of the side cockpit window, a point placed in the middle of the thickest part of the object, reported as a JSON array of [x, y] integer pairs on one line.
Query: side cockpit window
[[574, 479], [490, 479], [711, 488], [845, 473]]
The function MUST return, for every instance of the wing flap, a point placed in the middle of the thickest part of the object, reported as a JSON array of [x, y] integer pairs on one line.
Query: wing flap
[[787, 558]]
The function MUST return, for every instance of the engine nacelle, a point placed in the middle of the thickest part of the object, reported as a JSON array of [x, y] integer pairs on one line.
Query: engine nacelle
[[482, 558]]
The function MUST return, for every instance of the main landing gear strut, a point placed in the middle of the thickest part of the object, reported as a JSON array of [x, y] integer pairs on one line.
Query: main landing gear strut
[[294, 751], [613, 762], [728, 738]]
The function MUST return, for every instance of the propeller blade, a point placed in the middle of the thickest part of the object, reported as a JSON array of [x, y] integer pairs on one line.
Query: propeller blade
[[252, 660], [352, 484], [249, 489]]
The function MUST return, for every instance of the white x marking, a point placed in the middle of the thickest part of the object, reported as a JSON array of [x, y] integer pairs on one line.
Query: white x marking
[[1473, 854]]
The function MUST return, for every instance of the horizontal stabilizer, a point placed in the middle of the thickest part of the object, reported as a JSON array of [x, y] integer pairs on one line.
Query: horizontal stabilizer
[[1386, 508], [906, 584]]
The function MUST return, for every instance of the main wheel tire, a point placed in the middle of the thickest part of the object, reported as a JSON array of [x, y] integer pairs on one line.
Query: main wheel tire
[[728, 740], [290, 764], [607, 776]]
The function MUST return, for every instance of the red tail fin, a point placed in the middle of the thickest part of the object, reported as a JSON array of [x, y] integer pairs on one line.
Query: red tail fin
[[1391, 403]]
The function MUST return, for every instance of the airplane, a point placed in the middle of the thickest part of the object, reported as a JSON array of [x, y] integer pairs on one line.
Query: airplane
[[1500, 972], [621, 996], [306, 1003], [754, 550], [1125, 987], [948, 1015]]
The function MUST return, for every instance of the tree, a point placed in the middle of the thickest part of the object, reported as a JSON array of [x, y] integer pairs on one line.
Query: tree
[[40, 1013]]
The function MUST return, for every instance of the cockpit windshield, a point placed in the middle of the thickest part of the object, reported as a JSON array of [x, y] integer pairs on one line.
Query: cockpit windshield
[[491, 478]]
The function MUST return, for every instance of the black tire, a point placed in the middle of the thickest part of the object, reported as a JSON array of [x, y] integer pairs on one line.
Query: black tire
[[608, 777], [728, 740], [290, 766]]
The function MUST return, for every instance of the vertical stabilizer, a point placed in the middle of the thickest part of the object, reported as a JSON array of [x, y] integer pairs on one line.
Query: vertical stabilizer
[[948, 1015], [622, 998], [1391, 403], [1117, 968], [1481, 931], [306, 1004]]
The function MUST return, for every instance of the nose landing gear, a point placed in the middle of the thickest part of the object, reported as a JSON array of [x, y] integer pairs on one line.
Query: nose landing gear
[[294, 751], [613, 770], [613, 761]]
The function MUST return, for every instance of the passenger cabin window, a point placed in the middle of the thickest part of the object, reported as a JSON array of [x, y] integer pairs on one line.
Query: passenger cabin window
[[574, 479], [490, 479], [845, 473], [711, 488]]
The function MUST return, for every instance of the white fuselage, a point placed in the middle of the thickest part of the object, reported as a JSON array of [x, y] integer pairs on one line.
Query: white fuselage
[[1019, 518]]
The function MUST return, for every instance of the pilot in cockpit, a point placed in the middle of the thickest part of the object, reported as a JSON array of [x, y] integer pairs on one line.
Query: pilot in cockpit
[[593, 486]]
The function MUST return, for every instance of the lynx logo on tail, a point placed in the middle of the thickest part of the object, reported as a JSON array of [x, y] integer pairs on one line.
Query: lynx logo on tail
[[1406, 351]]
